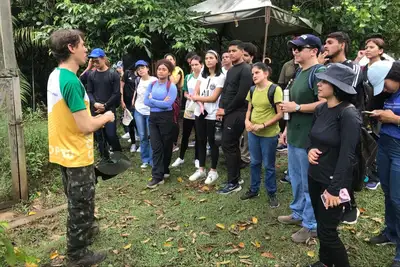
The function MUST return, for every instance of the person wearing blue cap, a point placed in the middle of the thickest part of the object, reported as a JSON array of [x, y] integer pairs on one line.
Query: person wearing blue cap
[[103, 88], [142, 112], [332, 155], [384, 76], [303, 101]]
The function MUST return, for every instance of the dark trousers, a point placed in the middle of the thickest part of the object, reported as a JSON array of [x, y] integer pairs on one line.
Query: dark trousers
[[205, 131], [186, 132], [108, 134], [231, 133], [332, 251], [132, 126], [175, 133], [161, 140], [79, 187]]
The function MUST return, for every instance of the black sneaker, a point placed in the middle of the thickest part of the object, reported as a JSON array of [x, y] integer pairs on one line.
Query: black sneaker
[[249, 194], [243, 164], [317, 264], [154, 183], [380, 240], [395, 264], [351, 216], [273, 201], [229, 188], [284, 180], [281, 148], [88, 260]]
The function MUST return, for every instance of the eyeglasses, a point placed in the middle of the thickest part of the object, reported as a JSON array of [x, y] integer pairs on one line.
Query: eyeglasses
[[300, 48]]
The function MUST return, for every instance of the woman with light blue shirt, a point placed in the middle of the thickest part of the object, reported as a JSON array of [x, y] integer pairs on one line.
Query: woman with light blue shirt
[[384, 76], [160, 96]]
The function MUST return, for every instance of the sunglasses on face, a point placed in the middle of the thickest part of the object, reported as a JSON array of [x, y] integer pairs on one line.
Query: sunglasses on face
[[300, 48]]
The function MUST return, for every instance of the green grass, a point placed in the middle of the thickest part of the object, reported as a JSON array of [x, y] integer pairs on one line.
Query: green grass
[[187, 216]]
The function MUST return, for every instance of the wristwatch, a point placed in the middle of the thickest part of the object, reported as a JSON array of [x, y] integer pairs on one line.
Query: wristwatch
[[298, 107]]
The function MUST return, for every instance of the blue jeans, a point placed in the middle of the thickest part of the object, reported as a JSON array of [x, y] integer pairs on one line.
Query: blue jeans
[[142, 124], [301, 205], [262, 151], [388, 160]]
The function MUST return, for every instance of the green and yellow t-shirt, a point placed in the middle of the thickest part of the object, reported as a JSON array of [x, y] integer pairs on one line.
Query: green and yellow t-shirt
[[68, 146], [263, 110]]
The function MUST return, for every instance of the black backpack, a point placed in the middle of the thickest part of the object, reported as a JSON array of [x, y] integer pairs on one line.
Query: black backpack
[[271, 94]]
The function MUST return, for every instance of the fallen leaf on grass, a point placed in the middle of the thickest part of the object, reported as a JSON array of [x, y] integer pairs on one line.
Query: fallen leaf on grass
[[256, 244], [169, 239], [242, 228], [128, 246], [241, 245], [220, 226], [145, 241], [202, 218], [205, 188], [223, 263], [267, 255], [362, 210], [231, 251], [181, 249], [254, 220], [180, 180], [31, 213], [115, 251], [244, 256], [202, 200], [311, 254], [378, 220], [247, 262], [167, 244], [376, 231], [148, 202], [54, 255], [31, 264], [124, 235]]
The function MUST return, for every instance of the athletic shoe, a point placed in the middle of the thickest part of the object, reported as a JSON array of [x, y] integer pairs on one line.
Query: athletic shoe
[[197, 175], [241, 181], [284, 180], [286, 172], [89, 259], [317, 264], [167, 175], [289, 220], [197, 163], [126, 136], [154, 183], [138, 150], [281, 148], [372, 185], [229, 188], [144, 165], [175, 149], [273, 202], [249, 194], [351, 216], [192, 144], [133, 148], [178, 162], [303, 235], [211, 177], [129, 140], [380, 240]]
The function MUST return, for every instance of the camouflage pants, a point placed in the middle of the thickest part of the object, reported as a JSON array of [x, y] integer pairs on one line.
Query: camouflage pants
[[79, 187]]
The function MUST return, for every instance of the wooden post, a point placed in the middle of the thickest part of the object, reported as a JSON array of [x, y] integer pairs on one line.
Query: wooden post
[[9, 82], [267, 21]]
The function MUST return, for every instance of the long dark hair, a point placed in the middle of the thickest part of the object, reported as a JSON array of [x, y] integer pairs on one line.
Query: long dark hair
[[218, 66], [342, 96]]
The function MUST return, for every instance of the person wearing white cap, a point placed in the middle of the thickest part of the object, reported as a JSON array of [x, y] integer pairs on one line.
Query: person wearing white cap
[[384, 76]]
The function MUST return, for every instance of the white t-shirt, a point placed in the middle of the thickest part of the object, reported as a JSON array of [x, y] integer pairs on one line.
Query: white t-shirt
[[140, 91], [191, 84], [207, 88]]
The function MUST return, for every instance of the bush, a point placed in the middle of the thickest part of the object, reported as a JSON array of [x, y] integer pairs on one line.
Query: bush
[[36, 148]]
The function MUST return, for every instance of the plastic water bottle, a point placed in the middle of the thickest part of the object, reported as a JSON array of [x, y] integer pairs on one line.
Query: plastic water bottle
[[286, 98]]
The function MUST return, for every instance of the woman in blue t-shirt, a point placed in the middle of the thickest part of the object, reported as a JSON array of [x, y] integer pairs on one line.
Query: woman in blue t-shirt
[[385, 77], [160, 97]]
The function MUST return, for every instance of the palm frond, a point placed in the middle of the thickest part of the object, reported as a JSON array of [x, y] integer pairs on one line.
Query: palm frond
[[25, 88]]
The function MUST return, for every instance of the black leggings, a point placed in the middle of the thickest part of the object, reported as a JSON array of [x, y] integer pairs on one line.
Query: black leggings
[[332, 252], [186, 131], [205, 130]]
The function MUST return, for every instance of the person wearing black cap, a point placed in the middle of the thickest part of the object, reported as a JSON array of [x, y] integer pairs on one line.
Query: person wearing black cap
[[331, 154]]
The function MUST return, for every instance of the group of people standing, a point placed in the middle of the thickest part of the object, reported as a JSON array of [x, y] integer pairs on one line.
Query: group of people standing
[[233, 104]]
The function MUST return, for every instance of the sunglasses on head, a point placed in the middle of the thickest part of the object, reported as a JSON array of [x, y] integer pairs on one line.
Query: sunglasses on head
[[300, 48]]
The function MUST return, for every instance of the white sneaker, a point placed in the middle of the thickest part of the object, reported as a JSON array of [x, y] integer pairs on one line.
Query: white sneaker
[[126, 136], [197, 175], [144, 165], [175, 149], [197, 163], [178, 162], [138, 150], [166, 175], [211, 177], [192, 144], [133, 148], [129, 140]]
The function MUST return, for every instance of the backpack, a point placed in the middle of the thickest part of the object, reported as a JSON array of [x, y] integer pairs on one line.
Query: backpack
[[271, 94], [365, 155], [311, 76], [175, 106]]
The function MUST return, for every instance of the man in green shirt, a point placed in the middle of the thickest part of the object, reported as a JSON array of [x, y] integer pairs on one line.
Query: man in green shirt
[[303, 101], [71, 128]]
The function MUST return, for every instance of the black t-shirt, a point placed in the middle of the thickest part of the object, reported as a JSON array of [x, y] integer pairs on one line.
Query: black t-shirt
[[358, 99], [336, 133], [236, 87], [131, 82], [104, 87]]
